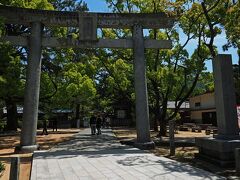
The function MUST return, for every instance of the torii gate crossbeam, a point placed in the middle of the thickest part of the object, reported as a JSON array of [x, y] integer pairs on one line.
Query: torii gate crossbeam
[[87, 24]]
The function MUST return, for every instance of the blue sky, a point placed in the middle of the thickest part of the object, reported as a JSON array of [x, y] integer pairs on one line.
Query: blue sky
[[101, 6], [97, 5]]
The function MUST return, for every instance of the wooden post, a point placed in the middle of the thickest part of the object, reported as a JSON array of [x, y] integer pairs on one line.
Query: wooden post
[[237, 160], [15, 167], [171, 137]]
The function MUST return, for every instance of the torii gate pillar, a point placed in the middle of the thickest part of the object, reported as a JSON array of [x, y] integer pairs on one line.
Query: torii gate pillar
[[140, 82], [32, 88]]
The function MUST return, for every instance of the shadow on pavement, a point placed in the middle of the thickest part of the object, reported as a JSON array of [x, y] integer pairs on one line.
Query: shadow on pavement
[[107, 146]]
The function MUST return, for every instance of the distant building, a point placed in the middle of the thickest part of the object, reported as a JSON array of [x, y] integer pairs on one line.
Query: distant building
[[121, 115], [203, 109], [62, 116], [183, 107], [20, 112], [184, 110]]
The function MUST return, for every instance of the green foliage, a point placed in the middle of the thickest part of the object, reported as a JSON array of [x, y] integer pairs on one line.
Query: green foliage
[[231, 23], [145, 6], [10, 72], [59, 83], [2, 125], [69, 5], [1, 26], [2, 168], [173, 74], [170, 112], [33, 4], [205, 84], [13, 59], [120, 71], [77, 83]]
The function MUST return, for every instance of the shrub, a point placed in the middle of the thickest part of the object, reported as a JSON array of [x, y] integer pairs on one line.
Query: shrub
[[2, 168], [20, 123], [2, 124]]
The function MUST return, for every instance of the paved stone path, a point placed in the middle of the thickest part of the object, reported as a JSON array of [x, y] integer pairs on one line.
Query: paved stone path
[[103, 157]]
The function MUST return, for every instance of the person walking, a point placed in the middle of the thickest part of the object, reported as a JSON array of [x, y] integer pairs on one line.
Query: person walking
[[93, 124], [107, 122], [103, 122], [45, 127], [55, 124], [98, 125]]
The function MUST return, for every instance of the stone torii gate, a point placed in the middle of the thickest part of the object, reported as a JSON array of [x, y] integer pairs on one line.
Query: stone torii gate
[[87, 24]]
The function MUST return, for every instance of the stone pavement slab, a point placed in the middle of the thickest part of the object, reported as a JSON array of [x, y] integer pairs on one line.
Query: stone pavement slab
[[101, 157]]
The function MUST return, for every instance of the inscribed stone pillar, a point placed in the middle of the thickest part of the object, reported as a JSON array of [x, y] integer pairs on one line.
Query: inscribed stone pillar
[[31, 96], [225, 98], [220, 149], [142, 114]]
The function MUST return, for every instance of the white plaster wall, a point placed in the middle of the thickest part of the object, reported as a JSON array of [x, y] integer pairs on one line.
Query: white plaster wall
[[206, 100], [196, 116]]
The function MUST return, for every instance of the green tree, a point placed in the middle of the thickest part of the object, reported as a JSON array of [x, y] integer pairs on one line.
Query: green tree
[[115, 74], [56, 61], [53, 59], [12, 63], [115, 85], [11, 84], [173, 74], [231, 22]]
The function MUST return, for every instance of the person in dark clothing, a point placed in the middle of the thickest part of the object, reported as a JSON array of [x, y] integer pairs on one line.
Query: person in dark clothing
[[103, 122], [55, 124], [93, 125], [107, 122], [99, 125], [45, 127]]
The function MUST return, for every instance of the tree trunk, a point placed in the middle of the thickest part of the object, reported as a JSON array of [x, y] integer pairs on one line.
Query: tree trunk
[[81, 117], [163, 123], [157, 114], [77, 115], [11, 115], [156, 108], [163, 128], [155, 125]]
